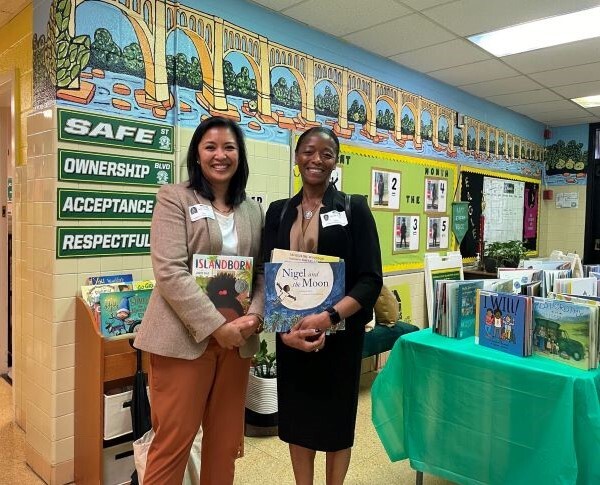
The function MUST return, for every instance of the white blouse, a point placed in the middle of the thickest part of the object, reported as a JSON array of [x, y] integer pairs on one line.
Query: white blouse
[[229, 234]]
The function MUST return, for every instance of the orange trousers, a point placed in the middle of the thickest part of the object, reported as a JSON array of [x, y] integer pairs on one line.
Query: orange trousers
[[184, 394]]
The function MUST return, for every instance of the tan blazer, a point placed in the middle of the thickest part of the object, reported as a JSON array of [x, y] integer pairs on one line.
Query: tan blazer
[[180, 318]]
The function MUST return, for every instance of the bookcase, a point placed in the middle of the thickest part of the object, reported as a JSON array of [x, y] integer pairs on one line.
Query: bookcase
[[100, 365]]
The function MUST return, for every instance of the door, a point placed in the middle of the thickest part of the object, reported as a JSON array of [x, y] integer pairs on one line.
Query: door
[[592, 212]]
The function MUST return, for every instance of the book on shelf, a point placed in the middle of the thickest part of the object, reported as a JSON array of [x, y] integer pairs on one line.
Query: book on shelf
[[549, 276], [466, 298], [144, 284], [577, 286], [506, 285], [104, 279], [295, 289], [91, 295], [566, 330], [546, 264], [283, 255], [121, 312], [226, 280], [520, 276], [505, 322]]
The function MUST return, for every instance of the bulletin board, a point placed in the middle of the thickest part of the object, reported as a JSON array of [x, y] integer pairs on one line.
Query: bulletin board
[[410, 198], [509, 204]]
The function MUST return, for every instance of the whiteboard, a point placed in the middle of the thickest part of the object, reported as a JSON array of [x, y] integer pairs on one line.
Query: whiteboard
[[503, 211]]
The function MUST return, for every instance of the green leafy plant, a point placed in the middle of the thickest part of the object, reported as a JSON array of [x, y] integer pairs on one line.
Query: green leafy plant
[[264, 363], [507, 253]]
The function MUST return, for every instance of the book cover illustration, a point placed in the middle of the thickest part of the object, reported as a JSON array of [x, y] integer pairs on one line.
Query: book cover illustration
[[294, 290], [105, 279], [226, 280], [121, 312], [562, 331], [282, 255], [505, 322], [91, 295], [144, 284], [466, 297]]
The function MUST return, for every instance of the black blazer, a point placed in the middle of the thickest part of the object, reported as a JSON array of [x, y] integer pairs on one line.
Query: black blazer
[[357, 243]]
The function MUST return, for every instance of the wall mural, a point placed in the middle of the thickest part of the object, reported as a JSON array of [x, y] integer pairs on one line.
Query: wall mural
[[566, 163], [166, 61]]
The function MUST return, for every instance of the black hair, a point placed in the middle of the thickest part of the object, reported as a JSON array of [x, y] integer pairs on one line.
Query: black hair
[[315, 130], [236, 193]]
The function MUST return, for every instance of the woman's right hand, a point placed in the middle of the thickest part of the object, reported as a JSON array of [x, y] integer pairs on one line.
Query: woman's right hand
[[307, 340], [230, 334]]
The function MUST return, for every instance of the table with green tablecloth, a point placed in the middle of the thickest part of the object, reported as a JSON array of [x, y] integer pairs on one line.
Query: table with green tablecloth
[[475, 415]]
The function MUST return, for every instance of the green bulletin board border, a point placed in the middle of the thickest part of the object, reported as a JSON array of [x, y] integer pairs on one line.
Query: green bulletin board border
[[352, 183]]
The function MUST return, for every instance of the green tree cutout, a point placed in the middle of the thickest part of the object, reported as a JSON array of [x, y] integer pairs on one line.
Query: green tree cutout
[[65, 56]]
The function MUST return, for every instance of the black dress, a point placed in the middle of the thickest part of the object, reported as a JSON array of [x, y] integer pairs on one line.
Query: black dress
[[318, 391]]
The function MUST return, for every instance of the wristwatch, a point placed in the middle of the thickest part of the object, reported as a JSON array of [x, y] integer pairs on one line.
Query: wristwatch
[[334, 317]]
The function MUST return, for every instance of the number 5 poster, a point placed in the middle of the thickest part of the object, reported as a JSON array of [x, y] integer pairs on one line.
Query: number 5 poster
[[385, 189], [437, 232]]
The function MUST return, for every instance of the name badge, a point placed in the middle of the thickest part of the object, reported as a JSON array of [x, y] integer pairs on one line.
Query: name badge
[[201, 211], [334, 218]]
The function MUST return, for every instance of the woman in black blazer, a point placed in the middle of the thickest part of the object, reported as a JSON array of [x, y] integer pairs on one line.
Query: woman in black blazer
[[318, 374]]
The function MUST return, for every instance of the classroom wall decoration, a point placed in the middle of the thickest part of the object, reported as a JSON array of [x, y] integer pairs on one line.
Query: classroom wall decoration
[[566, 156], [176, 63], [500, 209], [408, 230]]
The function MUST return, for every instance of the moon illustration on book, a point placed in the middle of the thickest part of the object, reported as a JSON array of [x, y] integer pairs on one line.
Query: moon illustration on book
[[303, 286]]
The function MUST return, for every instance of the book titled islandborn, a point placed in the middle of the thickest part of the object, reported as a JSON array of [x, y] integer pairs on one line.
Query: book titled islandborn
[[226, 280], [294, 290]]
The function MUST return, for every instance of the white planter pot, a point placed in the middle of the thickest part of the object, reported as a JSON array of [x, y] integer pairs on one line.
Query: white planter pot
[[261, 396]]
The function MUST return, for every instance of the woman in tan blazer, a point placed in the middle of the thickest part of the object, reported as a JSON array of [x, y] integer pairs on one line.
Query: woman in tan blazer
[[199, 361]]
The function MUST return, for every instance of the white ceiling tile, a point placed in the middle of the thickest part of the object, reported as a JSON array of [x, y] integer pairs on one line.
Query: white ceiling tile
[[501, 86], [277, 5], [579, 90], [569, 75], [537, 108], [474, 16], [399, 35], [595, 111], [535, 96], [352, 17], [573, 54], [424, 4], [453, 53], [569, 121], [475, 72]]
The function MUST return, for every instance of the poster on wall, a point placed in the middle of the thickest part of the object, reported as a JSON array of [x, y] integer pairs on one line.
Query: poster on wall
[[435, 195], [385, 189], [336, 178], [503, 211], [402, 293], [406, 232], [437, 233]]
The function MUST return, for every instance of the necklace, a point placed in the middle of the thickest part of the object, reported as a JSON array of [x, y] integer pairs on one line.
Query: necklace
[[225, 212], [309, 213]]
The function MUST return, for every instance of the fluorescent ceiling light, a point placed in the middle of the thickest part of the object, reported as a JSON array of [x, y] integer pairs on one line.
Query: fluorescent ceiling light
[[588, 101], [541, 33]]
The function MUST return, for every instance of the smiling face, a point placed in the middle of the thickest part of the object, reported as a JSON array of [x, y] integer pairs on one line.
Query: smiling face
[[316, 159], [218, 156]]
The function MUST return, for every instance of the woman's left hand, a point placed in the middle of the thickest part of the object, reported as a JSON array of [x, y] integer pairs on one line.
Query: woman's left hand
[[245, 320], [306, 340]]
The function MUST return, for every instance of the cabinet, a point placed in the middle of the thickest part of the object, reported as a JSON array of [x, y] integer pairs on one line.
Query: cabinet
[[100, 365]]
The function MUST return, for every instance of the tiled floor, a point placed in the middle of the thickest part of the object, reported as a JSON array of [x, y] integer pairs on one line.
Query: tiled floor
[[266, 460]]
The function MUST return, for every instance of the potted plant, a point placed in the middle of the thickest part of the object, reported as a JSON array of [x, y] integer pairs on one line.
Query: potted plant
[[507, 253], [261, 395]]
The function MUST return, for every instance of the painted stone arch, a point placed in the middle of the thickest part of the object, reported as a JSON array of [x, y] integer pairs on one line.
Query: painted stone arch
[[443, 130], [328, 102], [426, 125], [471, 138], [388, 119], [255, 84], [501, 144], [509, 146], [357, 112], [492, 142], [483, 140], [408, 120], [281, 90], [204, 58]]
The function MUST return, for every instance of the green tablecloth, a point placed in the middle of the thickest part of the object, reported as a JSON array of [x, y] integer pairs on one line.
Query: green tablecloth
[[475, 415]]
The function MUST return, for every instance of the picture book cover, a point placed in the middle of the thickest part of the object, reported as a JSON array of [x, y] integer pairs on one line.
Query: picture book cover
[[504, 322], [91, 295], [116, 278], [466, 297], [226, 280], [294, 290], [143, 284], [562, 331], [121, 312], [520, 276]]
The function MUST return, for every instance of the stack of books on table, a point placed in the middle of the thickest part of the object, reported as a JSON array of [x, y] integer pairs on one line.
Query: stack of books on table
[[299, 284]]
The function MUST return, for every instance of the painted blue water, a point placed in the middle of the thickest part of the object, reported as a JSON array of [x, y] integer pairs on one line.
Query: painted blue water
[[104, 95]]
